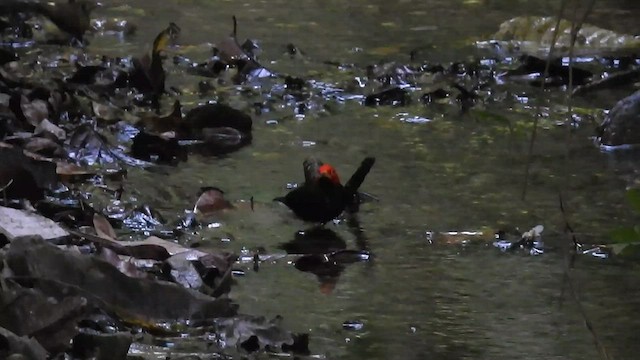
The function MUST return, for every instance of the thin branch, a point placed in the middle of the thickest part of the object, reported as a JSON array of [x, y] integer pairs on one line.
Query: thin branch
[[4, 193], [6, 186], [235, 27], [534, 132]]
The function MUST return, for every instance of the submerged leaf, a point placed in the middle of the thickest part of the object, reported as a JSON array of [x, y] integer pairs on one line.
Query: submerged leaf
[[210, 201], [627, 250]]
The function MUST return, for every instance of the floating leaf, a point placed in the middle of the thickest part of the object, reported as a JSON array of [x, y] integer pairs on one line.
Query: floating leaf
[[626, 250], [211, 200]]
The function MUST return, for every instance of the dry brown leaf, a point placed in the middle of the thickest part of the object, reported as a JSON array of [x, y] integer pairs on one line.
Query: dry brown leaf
[[211, 200], [103, 227]]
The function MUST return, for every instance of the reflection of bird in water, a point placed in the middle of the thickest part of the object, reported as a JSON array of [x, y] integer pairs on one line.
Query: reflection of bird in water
[[314, 241], [328, 267], [72, 17], [322, 197], [327, 271]]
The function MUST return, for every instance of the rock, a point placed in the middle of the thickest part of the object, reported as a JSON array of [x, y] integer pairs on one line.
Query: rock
[[131, 298], [20, 347], [622, 124], [91, 344], [28, 312], [24, 177], [18, 223]]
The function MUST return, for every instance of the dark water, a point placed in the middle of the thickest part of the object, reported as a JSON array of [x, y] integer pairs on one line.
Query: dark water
[[417, 300]]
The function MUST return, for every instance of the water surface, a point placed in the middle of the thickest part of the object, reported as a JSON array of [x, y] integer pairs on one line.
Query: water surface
[[457, 172]]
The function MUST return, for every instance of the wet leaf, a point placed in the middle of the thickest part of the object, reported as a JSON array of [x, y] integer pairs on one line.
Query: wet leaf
[[210, 201], [535, 232], [128, 268], [184, 272], [89, 146], [112, 113], [45, 147], [154, 244], [143, 218], [630, 250], [45, 126], [103, 227], [255, 332], [106, 287], [34, 111], [69, 171]]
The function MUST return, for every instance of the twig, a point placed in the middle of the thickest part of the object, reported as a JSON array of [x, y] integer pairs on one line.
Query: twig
[[4, 193], [568, 265], [567, 226], [6, 186], [534, 132], [235, 28]]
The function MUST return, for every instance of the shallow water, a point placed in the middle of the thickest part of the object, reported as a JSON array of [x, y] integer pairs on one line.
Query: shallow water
[[454, 173]]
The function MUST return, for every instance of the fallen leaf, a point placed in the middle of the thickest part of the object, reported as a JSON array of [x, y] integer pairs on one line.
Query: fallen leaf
[[210, 201], [103, 227]]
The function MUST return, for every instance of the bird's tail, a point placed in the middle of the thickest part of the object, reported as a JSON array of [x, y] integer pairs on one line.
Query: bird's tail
[[357, 178]]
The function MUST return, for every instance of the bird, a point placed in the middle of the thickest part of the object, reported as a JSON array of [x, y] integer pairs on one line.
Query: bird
[[322, 197]]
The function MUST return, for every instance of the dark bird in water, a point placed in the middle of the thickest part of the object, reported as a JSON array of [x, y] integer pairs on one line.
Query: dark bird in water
[[322, 197], [72, 17]]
